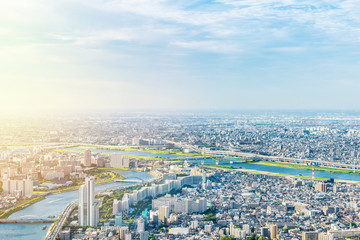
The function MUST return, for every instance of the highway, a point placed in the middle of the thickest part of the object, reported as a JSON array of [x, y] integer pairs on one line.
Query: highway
[[51, 235]]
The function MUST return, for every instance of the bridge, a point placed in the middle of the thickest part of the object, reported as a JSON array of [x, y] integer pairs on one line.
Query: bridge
[[27, 220], [131, 180], [131, 184], [55, 228]]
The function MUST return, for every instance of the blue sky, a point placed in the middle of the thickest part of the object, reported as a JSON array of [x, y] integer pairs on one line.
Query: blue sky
[[159, 54]]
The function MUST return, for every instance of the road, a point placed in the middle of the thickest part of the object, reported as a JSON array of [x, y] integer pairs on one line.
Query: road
[[51, 235]]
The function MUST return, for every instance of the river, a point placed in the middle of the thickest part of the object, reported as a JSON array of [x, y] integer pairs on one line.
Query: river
[[251, 166], [283, 170], [135, 153], [52, 205]]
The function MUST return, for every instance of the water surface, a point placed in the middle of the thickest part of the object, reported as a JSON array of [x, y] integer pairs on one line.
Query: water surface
[[52, 205]]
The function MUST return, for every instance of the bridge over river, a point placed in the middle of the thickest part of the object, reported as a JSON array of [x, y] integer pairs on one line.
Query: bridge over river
[[27, 219], [131, 180]]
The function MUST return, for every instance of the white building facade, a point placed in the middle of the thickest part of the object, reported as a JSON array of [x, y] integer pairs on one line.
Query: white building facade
[[88, 207]]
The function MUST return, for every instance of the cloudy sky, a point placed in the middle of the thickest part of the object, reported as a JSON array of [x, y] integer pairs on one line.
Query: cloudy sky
[[163, 54]]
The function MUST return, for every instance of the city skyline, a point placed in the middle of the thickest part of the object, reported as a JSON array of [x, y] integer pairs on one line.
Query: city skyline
[[225, 54], [255, 175]]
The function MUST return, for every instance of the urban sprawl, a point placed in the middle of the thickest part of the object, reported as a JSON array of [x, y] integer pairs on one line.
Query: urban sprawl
[[184, 197]]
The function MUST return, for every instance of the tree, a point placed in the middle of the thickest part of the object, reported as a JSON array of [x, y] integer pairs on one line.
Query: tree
[[227, 238], [210, 217], [253, 237]]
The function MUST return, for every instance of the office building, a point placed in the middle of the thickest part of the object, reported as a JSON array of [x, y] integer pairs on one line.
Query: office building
[[264, 231], [144, 235], [163, 213], [322, 187], [87, 158], [140, 225], [128, 236], [119, 161], [20, 188], [118, 219], [273, 231], [326, 236], [310, 236], [65, 234], [203, 179], [194, 224], [181, 205], [123, 231]]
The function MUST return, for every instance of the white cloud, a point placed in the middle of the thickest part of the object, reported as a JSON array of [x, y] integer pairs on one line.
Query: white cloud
[[208, 46]]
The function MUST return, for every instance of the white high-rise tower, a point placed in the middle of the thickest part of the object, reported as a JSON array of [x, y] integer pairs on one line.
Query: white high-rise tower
[[88, 207], [203, 179]]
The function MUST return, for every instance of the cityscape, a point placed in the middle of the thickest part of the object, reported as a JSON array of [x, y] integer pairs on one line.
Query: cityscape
[[245, 175], [179, 120]]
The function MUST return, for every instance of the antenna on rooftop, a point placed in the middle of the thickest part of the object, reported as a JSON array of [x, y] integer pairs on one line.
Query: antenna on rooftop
[[313, 173]]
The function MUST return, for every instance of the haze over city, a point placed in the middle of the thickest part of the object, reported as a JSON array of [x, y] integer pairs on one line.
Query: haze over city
[[157, 54], [169, 120]]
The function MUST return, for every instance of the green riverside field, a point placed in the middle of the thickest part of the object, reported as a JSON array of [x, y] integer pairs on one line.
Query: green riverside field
[[307, 167]]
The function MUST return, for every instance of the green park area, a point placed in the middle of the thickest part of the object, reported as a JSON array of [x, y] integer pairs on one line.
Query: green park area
[[102, 176], [262, 172], [172, 151], [307, 167], [103, 153], [135, 149]]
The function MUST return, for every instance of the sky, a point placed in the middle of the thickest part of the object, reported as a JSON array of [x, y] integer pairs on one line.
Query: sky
[[167, 54]]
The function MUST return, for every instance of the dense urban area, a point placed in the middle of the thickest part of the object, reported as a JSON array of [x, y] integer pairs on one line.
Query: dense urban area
[[178, 176]]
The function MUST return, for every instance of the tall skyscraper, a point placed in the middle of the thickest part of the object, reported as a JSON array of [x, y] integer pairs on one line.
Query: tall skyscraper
[[87, 158], [88, 207]]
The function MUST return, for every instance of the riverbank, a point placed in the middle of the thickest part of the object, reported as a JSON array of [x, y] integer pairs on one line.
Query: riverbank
[[278, 174], [221, 166], [103, 178], [21, 205], [53, 205], [143, 150], [307, 167], [137, 149], [109, 154]]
